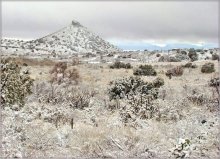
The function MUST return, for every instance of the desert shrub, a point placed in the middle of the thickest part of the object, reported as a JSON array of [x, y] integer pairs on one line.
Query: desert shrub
[[72, 74], [158, 82], [158, 55], [118, 65], [181, 57], [199, 50], [137, 96], [183, 52], [208, 68], [75, 96], [193, 55], [211, 52], [190, 65], [164, 58], [182, 149], [15, 85], [125, 87], [24, 64], [177, 58], [173, 59], [33, 62], [176, 71], [145, 70], [59, 67], [215, 57], [60, 73], [75, 61], [214, 82]]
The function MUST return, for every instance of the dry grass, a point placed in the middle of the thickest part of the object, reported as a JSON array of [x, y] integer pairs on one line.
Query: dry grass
[[100, 133]]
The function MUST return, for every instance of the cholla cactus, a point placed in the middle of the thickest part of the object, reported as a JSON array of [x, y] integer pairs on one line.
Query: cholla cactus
[[182, 149], [15, 86], [137, 96]]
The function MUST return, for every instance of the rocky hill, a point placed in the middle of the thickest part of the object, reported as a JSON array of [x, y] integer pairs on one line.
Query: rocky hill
[[72, 39]]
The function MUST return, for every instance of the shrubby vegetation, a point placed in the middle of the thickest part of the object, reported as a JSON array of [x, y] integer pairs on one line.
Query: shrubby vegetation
[[145, 70], [208, 68], [176, 71], [61, 73], [190, 65], [15, 85], [215, 57], [193, 55], [138, 96], [118, 65]]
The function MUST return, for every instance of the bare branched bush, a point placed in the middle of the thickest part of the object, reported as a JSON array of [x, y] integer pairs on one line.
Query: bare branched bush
[[176, 71], [60, 73], [75, 96]]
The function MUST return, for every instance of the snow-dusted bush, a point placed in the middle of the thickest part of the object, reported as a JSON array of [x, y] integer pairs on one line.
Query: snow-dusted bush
[[145, 70], [193, 55], [181, 57], [214, 82], [15, 85], [137, 96], [183, 52]]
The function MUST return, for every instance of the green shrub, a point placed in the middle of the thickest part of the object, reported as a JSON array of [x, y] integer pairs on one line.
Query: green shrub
[[145, 70], [118, 65], [15, 85], [190, 65], [208, 68]]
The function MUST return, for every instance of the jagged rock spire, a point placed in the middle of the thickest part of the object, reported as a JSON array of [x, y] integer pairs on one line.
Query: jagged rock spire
[[75, 23]]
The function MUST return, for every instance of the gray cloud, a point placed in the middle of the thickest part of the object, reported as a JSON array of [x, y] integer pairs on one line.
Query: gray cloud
[[160, 21]]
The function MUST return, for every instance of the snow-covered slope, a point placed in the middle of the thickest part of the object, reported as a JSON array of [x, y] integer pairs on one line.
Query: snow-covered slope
[[74, 38]]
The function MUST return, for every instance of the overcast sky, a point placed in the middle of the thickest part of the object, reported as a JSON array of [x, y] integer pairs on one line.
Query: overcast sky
[[122, 23]]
